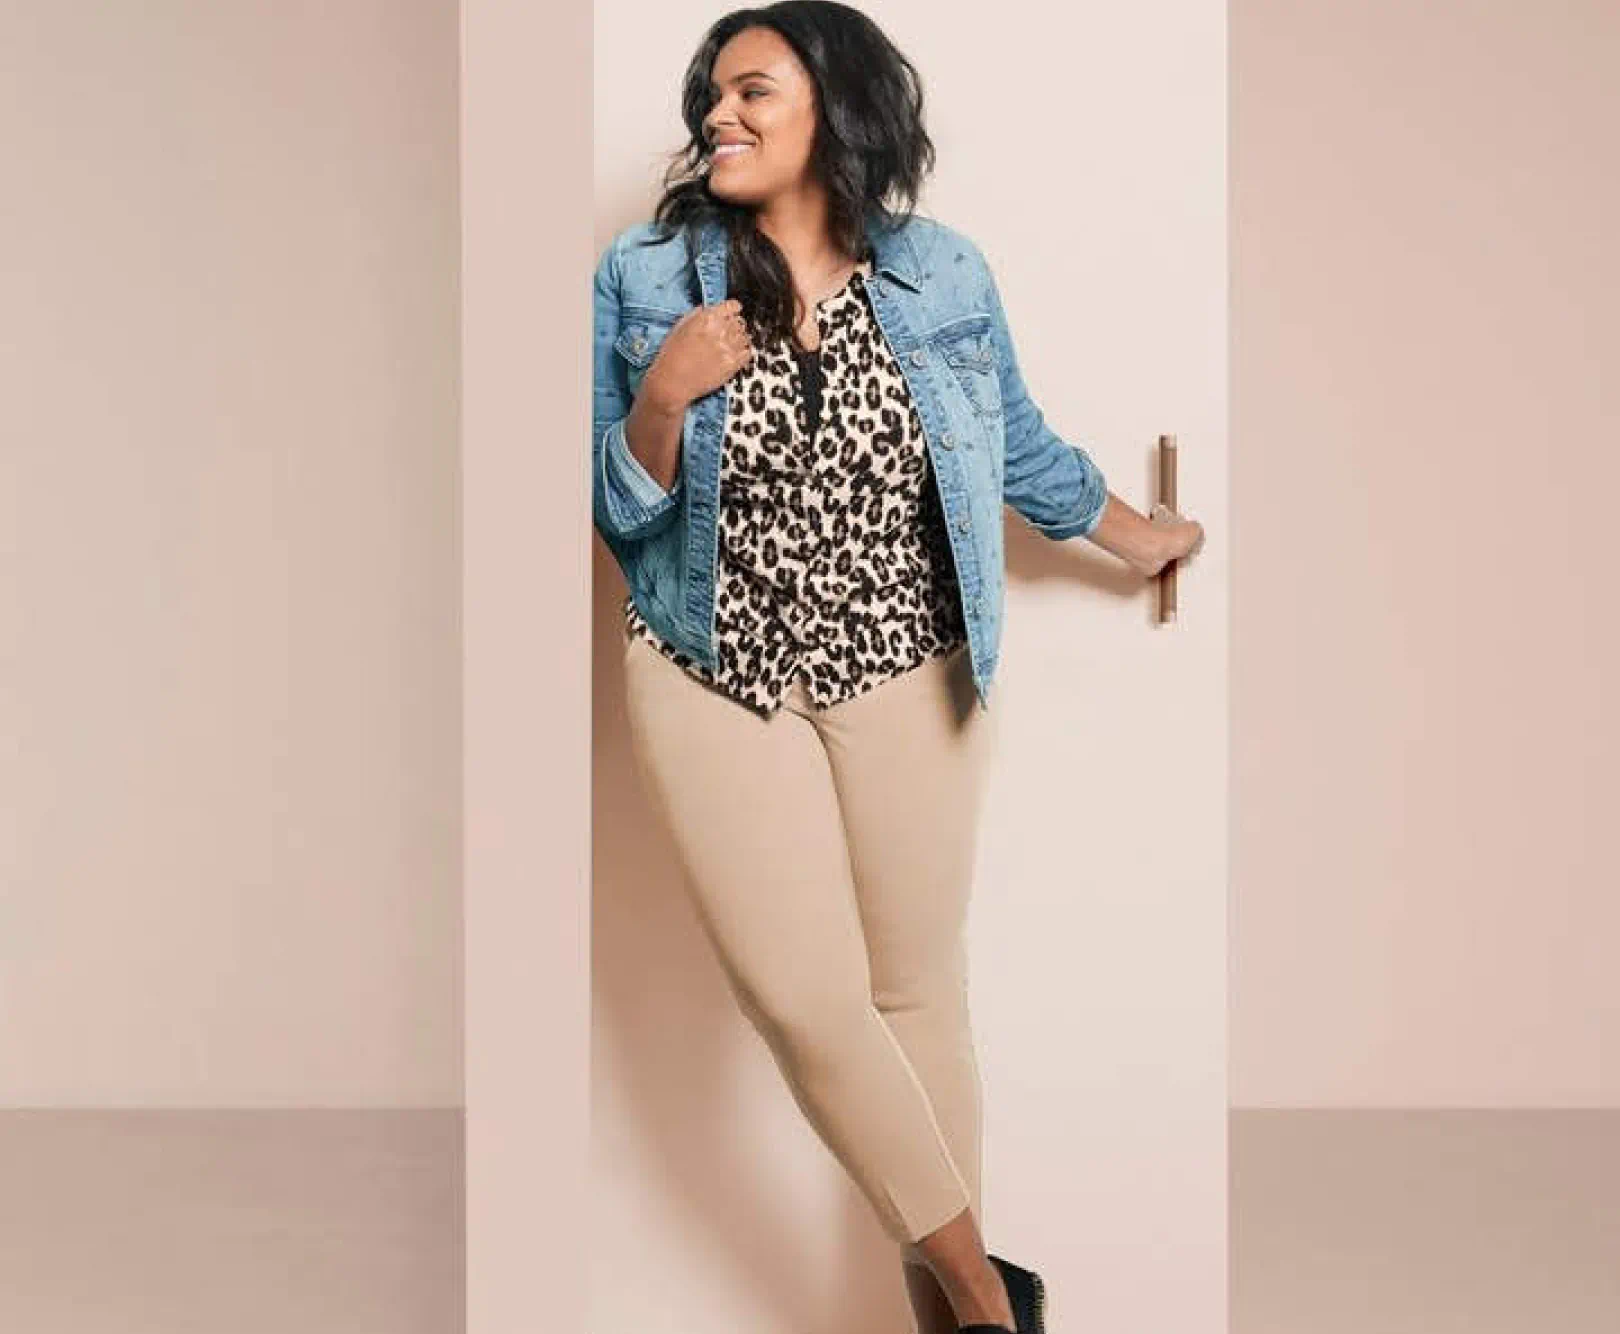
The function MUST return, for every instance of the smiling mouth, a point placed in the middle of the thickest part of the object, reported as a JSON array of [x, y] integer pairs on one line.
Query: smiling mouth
[[722, 151]]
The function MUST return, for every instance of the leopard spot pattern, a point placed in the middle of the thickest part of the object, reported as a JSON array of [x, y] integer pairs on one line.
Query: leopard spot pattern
[[834, 564]]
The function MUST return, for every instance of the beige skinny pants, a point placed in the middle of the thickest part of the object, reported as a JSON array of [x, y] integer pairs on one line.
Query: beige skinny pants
[[829, 854]]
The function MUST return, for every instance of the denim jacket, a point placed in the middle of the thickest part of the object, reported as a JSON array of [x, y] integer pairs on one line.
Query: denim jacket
[[939, 310]]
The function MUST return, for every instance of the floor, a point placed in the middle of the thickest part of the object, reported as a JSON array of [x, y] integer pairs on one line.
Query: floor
[[230, 1222], [350, 1222], [1431, 1222]]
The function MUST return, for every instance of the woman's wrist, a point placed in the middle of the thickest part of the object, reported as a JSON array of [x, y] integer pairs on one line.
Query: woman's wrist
[[663, 400], [1125, 532]]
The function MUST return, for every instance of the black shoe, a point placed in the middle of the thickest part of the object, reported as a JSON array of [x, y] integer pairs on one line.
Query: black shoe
[[1027, 1294]]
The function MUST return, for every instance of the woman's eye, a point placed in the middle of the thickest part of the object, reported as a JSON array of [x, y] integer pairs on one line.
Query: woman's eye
[[746, 93]]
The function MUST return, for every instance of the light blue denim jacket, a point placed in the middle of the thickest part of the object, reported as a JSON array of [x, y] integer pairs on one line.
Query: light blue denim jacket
[[938, 307]]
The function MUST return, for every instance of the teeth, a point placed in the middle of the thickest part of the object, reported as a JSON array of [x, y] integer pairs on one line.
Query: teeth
[[725, 150]]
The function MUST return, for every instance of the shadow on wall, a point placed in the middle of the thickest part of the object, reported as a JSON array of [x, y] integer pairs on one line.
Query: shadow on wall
[[669, 1046], [668, 1041]]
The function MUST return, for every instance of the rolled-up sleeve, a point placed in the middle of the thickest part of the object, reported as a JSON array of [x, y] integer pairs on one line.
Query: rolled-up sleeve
[[1053, 484], [627, 501], [633, 495]]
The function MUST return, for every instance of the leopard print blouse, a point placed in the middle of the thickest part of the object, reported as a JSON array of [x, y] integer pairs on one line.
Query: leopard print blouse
[[834, 564]]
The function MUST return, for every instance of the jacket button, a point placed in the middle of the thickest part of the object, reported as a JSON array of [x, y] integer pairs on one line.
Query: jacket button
[[637, 343], [962, 524], [919, 357], [948, 440], [974, 606]]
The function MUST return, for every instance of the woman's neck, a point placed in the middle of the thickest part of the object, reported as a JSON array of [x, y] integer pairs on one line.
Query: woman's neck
[[796, 223]]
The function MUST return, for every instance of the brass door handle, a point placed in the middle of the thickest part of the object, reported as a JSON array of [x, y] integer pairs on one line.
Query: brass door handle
[[1166, 578]]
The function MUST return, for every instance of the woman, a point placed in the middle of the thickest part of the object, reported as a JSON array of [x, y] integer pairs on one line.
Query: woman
[[808, 416]]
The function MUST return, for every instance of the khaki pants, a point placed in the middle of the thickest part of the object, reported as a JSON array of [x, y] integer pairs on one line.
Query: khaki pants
[[829, 854]]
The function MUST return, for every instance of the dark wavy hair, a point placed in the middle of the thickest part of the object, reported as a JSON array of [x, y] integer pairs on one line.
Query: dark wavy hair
[[870, 150]]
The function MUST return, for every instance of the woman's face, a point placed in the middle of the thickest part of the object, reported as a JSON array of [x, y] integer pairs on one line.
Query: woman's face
[[763, 101]]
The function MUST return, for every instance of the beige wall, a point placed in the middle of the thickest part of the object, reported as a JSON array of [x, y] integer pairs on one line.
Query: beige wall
[[228, 457], [526, 626], [1090, 166], [1424, 727]]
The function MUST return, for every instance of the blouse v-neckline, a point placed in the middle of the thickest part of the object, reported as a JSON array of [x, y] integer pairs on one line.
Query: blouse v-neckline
[[863, 266]]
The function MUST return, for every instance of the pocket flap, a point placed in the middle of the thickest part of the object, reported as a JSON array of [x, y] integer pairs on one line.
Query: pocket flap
[[972, 350]]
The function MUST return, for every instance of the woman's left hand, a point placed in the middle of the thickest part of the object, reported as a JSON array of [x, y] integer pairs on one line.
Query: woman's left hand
[[1183, 537]]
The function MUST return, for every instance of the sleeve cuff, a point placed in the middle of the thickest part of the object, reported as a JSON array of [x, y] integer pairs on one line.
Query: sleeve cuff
[[633, 494], [1094, 503]]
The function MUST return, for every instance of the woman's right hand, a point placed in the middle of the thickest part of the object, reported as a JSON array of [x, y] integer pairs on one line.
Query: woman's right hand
[[1184, 536], [706, 348]]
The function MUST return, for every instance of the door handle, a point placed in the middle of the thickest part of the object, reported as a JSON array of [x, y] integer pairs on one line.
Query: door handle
[[1166, 578]]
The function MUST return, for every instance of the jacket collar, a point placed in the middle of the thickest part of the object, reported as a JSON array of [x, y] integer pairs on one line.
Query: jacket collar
[[893, 251]]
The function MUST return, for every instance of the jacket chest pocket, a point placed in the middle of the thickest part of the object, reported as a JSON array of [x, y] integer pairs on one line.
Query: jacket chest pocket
[[971, 357], [638, 343]]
